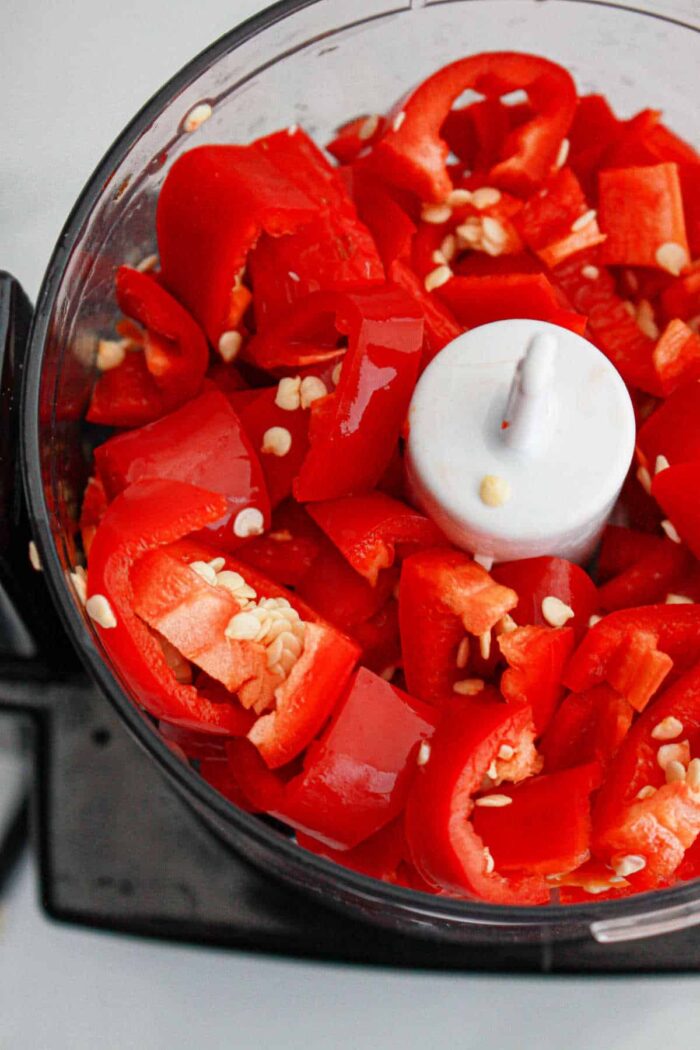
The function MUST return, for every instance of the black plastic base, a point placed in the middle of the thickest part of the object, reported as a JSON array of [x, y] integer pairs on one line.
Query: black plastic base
[[119, 849]]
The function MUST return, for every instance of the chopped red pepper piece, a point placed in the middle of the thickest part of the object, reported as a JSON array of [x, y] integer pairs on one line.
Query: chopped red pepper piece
[[202, 443], [167, 372], [368, 529], [677, 492], [212, 207], [445, 847], [536, 657], [379, 856], [354, 136], [647, 580], [546, 828], [440, 327], [389, 224], [380, 639], [147, 515], [477, 133], [339, 593], [534, 579], [621, 548], [92, 511], [677, 356], [586, 727], [641, 209], [285, 553], [411, 153], [551, 221], [356, 778], [672, 430], [594, 128], [480, 300], [258, 417], [442, 595]]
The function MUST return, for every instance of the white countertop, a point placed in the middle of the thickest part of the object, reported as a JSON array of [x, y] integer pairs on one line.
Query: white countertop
[[72, 73]]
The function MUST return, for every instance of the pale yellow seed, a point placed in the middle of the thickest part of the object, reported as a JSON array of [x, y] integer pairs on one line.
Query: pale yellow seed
[[230, 345], [276, 441], [335, 374], [675, 772], [312, 389], [493, 230], [591, 273], [668, 753], [217, 564], [398, 120], [197, 116], [628, 864], [147, 264], [457, 197], [463, 653], [34, 559], [492, 248], [204, 569], [506, 624], [563, 153], [243, 627], [630, 308], [494, 491], [436, 213], [79, 581], [671, 257], [692, 778], [388, 672], [368, 127], [110, 354], [449, 247], [468, 686], [506, 752], [493, 801], [667, 729], [492, 771], [438, 258], [646, 792], [583, 220], [645, 319], [99, 610], [484, 560], [555, 611], [670, 531], [248, 522], [485, 197], [485, 645], [644, 479], [678, 599], [423, 755], [288, 395], [661, 464], [293, 276], [594, 619], [437, 277], [489, 863]]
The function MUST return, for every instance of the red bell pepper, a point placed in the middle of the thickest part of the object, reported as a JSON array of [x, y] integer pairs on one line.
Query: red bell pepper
[[641, 209], [546, 828], [661, 827], [548, 220], [594, 128], [476, 133], [534, 579], [586, 727], [681, 298], [621, 548], [212, 207], [677, 492], [368, 529], [445, 847], [148, 515], [202, 443], [442, 595], [354, 136], [380, 639], [388, 222], [259, 415], [285, 553], [536, 657], [480, 300], [339, 593], [167, 372], [411, 153], [379, 856], [92, 511], [357, 777], [647, 580], [672, 430], [354, 430], [439, 325], [333, 250], [634, 650], [677, 356]]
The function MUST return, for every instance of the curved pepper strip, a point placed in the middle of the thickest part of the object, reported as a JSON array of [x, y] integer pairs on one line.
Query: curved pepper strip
[[586, 727], [353, 432], [339, 593], [536, 657], [357, 776], [368, 529], [480, 300], [213, 206], [659, 828], [260, 414], [147, 515], [676, 356], [445, 847], [442, 595], [169, 371], [412, 154]]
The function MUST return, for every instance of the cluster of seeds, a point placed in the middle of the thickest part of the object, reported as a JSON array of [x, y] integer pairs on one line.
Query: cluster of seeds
[[482, 233], [293, 393]]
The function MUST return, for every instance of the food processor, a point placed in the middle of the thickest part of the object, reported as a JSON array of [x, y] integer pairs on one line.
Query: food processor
[[129, 836]]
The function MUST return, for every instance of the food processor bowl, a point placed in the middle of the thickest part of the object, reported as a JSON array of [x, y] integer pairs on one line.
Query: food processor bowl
[[316, 63]]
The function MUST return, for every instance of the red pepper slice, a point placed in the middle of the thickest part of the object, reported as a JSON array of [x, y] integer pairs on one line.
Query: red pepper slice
[[661, 827], [202, 443], [258, 416], [368, 529], [535, 579], [442, 595], [672, 430], [357, 777], [354, 136], [621, 548], [546, 828], [536, 657], [92, 511], [548, 220], [147, 515], [476, 133], [285, 553], [339, 593], [445, 847], [389, 224], [649, 579], [652, 637], [412, 154], [168, 371], [681, 298], [676, 491], [244, 778], [379, 856], [212, 207], [641, 209], [677, 356], [440, 327], [480, 300], [380, 640], [594, 128], [353, 431], [586, 727]]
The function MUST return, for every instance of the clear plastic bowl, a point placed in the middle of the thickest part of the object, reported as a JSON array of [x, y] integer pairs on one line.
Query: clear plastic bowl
[[317, 63]]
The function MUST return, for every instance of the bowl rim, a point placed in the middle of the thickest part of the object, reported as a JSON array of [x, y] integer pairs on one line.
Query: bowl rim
[[558, 919]]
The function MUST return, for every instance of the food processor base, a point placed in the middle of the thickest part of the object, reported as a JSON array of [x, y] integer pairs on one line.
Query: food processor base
[[120, 850]]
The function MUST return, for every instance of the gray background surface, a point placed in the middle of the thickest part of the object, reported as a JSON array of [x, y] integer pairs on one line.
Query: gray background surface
[[72, 73]]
